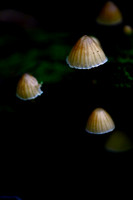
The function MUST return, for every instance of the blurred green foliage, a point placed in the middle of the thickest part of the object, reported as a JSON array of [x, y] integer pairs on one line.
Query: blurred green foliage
[[45, 58], [43, 54], [123, 62]]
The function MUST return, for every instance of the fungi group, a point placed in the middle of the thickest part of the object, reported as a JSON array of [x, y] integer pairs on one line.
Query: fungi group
[[86, 53]]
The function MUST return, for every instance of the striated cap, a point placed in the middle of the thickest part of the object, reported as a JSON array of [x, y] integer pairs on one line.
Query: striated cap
[[28, 87], [96, 40], [86, 54], [109, 14], [100, 122]]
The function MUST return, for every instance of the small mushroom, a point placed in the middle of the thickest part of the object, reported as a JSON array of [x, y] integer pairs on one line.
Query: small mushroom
[[28, 87], [100, 122], [109, 14], [127, 29], [86, 54], [119, 141]]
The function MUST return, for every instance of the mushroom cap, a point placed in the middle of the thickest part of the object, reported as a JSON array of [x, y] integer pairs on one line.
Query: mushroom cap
[[100, 122], [96, 40], [28, 87], [118, 142], [109, 14], [86, 54], [127, 29]]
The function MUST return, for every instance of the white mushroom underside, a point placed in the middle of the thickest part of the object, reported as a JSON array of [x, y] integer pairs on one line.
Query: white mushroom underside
[[102, 132], [30, 98], [86, 67]]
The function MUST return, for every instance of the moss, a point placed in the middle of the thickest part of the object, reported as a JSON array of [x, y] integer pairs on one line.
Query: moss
[[123, 60], [46, 61], [51, 72]]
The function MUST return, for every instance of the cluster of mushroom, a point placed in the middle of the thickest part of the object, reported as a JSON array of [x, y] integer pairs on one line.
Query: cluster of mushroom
[[87, 53]]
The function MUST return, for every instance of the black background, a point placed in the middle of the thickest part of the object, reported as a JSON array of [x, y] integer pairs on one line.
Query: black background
[[67, 15], [45, 152]]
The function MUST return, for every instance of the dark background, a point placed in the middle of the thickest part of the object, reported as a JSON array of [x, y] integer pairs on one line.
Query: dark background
[[45, 152], [67, 15]]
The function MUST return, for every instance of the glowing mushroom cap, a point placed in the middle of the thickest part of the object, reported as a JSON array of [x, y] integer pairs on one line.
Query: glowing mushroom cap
[[118, 142], [86, 54], [28, 87], [99, 122], [109, 14]]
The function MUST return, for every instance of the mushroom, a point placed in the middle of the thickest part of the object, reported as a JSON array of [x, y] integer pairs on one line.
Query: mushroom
[[127, 29], [28, 87], [109, 14], [118, 142], [86, 54], [100, 122]]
